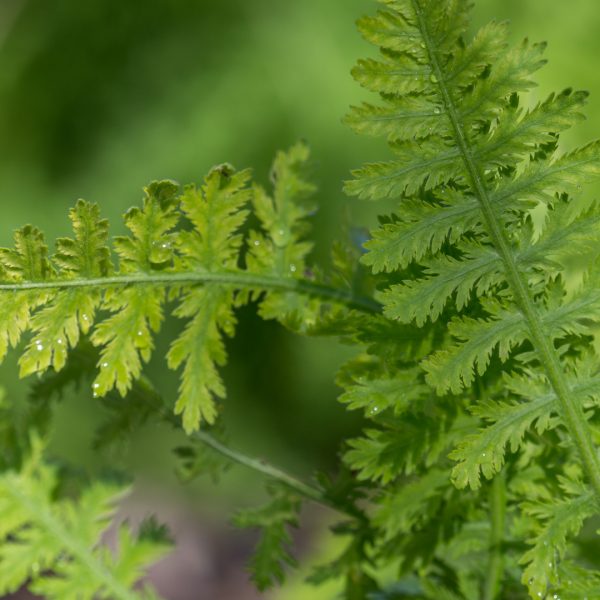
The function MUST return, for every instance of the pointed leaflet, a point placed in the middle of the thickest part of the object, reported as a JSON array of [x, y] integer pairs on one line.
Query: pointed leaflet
[[125, 337], [509, 420], [413, 439], [27, 261], [215, 212], [516, 134], [282, 250], [554, 522], [455, 368], [274, 519], [478, 269], [402, 507], [422, 227], [58, 325], [376, 393]]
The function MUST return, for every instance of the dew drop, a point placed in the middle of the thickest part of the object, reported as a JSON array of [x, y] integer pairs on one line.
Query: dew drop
[[104, 365], [140, 333], [549, 565], [433, 78], [59, 341], [374, 410], [94, 395], [165, 245], [85, 318], [539, 594], [437, 110], [483, 454], [256, 243], [293, 268], [38, 345], [96, 386]]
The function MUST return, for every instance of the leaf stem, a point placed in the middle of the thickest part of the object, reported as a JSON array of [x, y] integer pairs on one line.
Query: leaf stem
[[261, 466], [241, 279], [495, 568], [572, 411]]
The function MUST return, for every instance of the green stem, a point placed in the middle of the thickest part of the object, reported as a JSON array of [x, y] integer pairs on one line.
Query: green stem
[[571, 410], [240, 279], [261, 466], [495, 568]]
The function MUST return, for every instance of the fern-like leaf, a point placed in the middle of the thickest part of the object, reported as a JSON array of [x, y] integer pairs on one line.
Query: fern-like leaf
[[271, 553], [55, 544]]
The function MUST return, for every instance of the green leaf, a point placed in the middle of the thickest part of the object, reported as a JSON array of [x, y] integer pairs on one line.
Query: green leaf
[[55, 544], [271, 554], [28, 261], [281, 248], [125, 337], [555, 522], [473, 274], [402, 507], [216, 212], [58, 326], [455, 368]]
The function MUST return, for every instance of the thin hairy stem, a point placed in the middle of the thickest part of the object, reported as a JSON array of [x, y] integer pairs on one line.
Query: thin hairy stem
[[571, 410], [239, 279], [261, 466], [495, 569]]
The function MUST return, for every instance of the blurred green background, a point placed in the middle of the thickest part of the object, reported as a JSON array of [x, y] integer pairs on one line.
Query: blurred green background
[[99, 97]]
